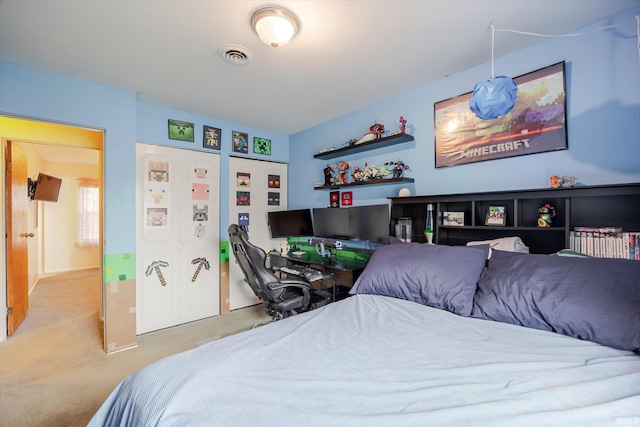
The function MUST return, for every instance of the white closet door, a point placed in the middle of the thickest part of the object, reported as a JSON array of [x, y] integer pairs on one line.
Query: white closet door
[[255, 188], [200, 236], [177, 236]]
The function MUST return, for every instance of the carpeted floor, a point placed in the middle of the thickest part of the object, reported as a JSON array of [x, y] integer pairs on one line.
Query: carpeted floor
[[53, 370]]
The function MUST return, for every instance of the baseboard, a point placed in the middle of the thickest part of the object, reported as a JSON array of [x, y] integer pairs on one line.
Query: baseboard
[[68, 270]]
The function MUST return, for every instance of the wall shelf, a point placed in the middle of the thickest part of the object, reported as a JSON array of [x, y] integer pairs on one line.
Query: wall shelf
[[365, 146], [370, 182]]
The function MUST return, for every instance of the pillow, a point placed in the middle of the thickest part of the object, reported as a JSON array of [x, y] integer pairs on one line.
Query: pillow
[[595, 299], [439, 276], [569, 252], [393, 240]]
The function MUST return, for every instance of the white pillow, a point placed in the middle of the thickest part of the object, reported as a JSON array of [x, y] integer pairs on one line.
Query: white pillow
[[507, 244]]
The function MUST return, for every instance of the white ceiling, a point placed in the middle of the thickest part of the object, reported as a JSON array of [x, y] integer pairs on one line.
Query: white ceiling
[[348, 54], [66, 154]]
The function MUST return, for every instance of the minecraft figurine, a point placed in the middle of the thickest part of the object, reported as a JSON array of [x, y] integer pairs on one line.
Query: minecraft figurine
[[546, 213]]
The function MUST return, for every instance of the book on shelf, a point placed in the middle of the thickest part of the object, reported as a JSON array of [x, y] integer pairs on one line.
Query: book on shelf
[[605, 242]]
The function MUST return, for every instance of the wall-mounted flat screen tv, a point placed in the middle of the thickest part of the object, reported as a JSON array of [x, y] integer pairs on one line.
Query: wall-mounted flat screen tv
[[47, 188], [290, 223]]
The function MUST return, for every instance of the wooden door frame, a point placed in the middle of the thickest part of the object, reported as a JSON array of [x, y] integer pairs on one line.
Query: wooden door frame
[[3, 224]]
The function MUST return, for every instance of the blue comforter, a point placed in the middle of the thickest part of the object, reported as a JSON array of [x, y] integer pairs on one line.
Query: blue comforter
[[379, 361]]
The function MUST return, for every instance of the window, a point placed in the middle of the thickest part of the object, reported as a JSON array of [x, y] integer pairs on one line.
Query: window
[[87, 211]]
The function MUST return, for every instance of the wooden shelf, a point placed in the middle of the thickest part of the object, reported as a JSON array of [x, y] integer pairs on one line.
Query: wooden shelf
[[365, 146], [370, 182]]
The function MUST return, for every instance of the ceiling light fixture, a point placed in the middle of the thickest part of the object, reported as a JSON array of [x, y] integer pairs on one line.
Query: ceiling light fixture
[[496, 96], [274, 25]]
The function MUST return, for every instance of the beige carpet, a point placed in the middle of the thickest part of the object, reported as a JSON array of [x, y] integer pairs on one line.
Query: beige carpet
[[53, 370]]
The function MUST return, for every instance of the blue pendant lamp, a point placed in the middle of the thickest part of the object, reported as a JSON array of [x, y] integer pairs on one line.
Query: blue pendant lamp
[[494, 97]]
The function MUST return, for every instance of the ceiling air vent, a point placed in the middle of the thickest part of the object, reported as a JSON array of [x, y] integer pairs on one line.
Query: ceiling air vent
[[234, 54]]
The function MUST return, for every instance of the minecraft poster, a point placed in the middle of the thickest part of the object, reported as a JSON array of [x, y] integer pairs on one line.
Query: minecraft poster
[[274, 181], [536, 124], [273, 199], [199, 191], [156, 217], [243, 198], [243, 179], [158, 171]]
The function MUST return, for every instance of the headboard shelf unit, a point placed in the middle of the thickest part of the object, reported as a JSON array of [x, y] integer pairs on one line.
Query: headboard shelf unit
[[615, 205]]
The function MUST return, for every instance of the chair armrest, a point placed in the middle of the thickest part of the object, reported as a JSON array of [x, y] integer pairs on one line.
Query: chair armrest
[[290, 283]]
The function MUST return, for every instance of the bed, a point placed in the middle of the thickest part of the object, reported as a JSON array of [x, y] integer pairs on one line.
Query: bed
[[432, 336]]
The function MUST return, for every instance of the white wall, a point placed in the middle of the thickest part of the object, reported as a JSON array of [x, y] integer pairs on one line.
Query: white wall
[[58, 222]]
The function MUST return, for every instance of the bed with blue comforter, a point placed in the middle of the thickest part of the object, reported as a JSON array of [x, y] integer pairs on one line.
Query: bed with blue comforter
[[432, 336]]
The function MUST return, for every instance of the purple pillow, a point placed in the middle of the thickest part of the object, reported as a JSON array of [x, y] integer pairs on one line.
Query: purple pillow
[[439, 276], [594, 299]]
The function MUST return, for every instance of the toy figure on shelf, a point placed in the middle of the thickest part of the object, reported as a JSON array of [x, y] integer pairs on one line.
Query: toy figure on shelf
[[563, 181], [358, 174], [377, 129], [351, 142], [328, 175], [546, 213], [372, 172], [403, 124], [343, 168], [370, 136], [397, 168]]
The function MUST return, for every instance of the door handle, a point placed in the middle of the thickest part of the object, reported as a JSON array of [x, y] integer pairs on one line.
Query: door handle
[[29, 234]]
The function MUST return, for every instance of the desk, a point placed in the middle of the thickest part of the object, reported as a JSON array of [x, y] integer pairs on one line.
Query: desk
[[338, 271]]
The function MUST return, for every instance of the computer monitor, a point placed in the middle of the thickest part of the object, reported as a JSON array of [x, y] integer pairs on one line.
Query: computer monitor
[[370, 223], [331, 223], [290, 223]]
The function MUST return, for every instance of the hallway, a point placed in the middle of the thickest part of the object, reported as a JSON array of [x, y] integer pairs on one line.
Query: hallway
[[65, 300]]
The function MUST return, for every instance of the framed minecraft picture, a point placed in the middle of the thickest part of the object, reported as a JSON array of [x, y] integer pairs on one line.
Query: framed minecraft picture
[[211, 137], [240, 142], [181, 131], [262, 146]]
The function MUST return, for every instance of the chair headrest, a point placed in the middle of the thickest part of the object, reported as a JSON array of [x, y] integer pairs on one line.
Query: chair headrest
[[237, 230]]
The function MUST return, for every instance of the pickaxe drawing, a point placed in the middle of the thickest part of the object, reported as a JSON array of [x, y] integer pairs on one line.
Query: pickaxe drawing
[[201, 262], [155, 265]]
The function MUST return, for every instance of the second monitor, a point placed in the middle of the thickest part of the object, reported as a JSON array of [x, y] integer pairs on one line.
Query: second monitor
[[369, 223]]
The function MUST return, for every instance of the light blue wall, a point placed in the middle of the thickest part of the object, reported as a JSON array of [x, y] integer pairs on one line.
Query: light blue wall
[[37, 94], [151, 127], [603, 103], [41, 95], [603, 88]]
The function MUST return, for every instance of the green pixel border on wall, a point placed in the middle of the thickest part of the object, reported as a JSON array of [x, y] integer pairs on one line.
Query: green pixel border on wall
[[224, 251], [118, 267]]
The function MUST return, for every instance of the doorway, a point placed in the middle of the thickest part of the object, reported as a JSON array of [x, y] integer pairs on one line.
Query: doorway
[[67, 152]]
